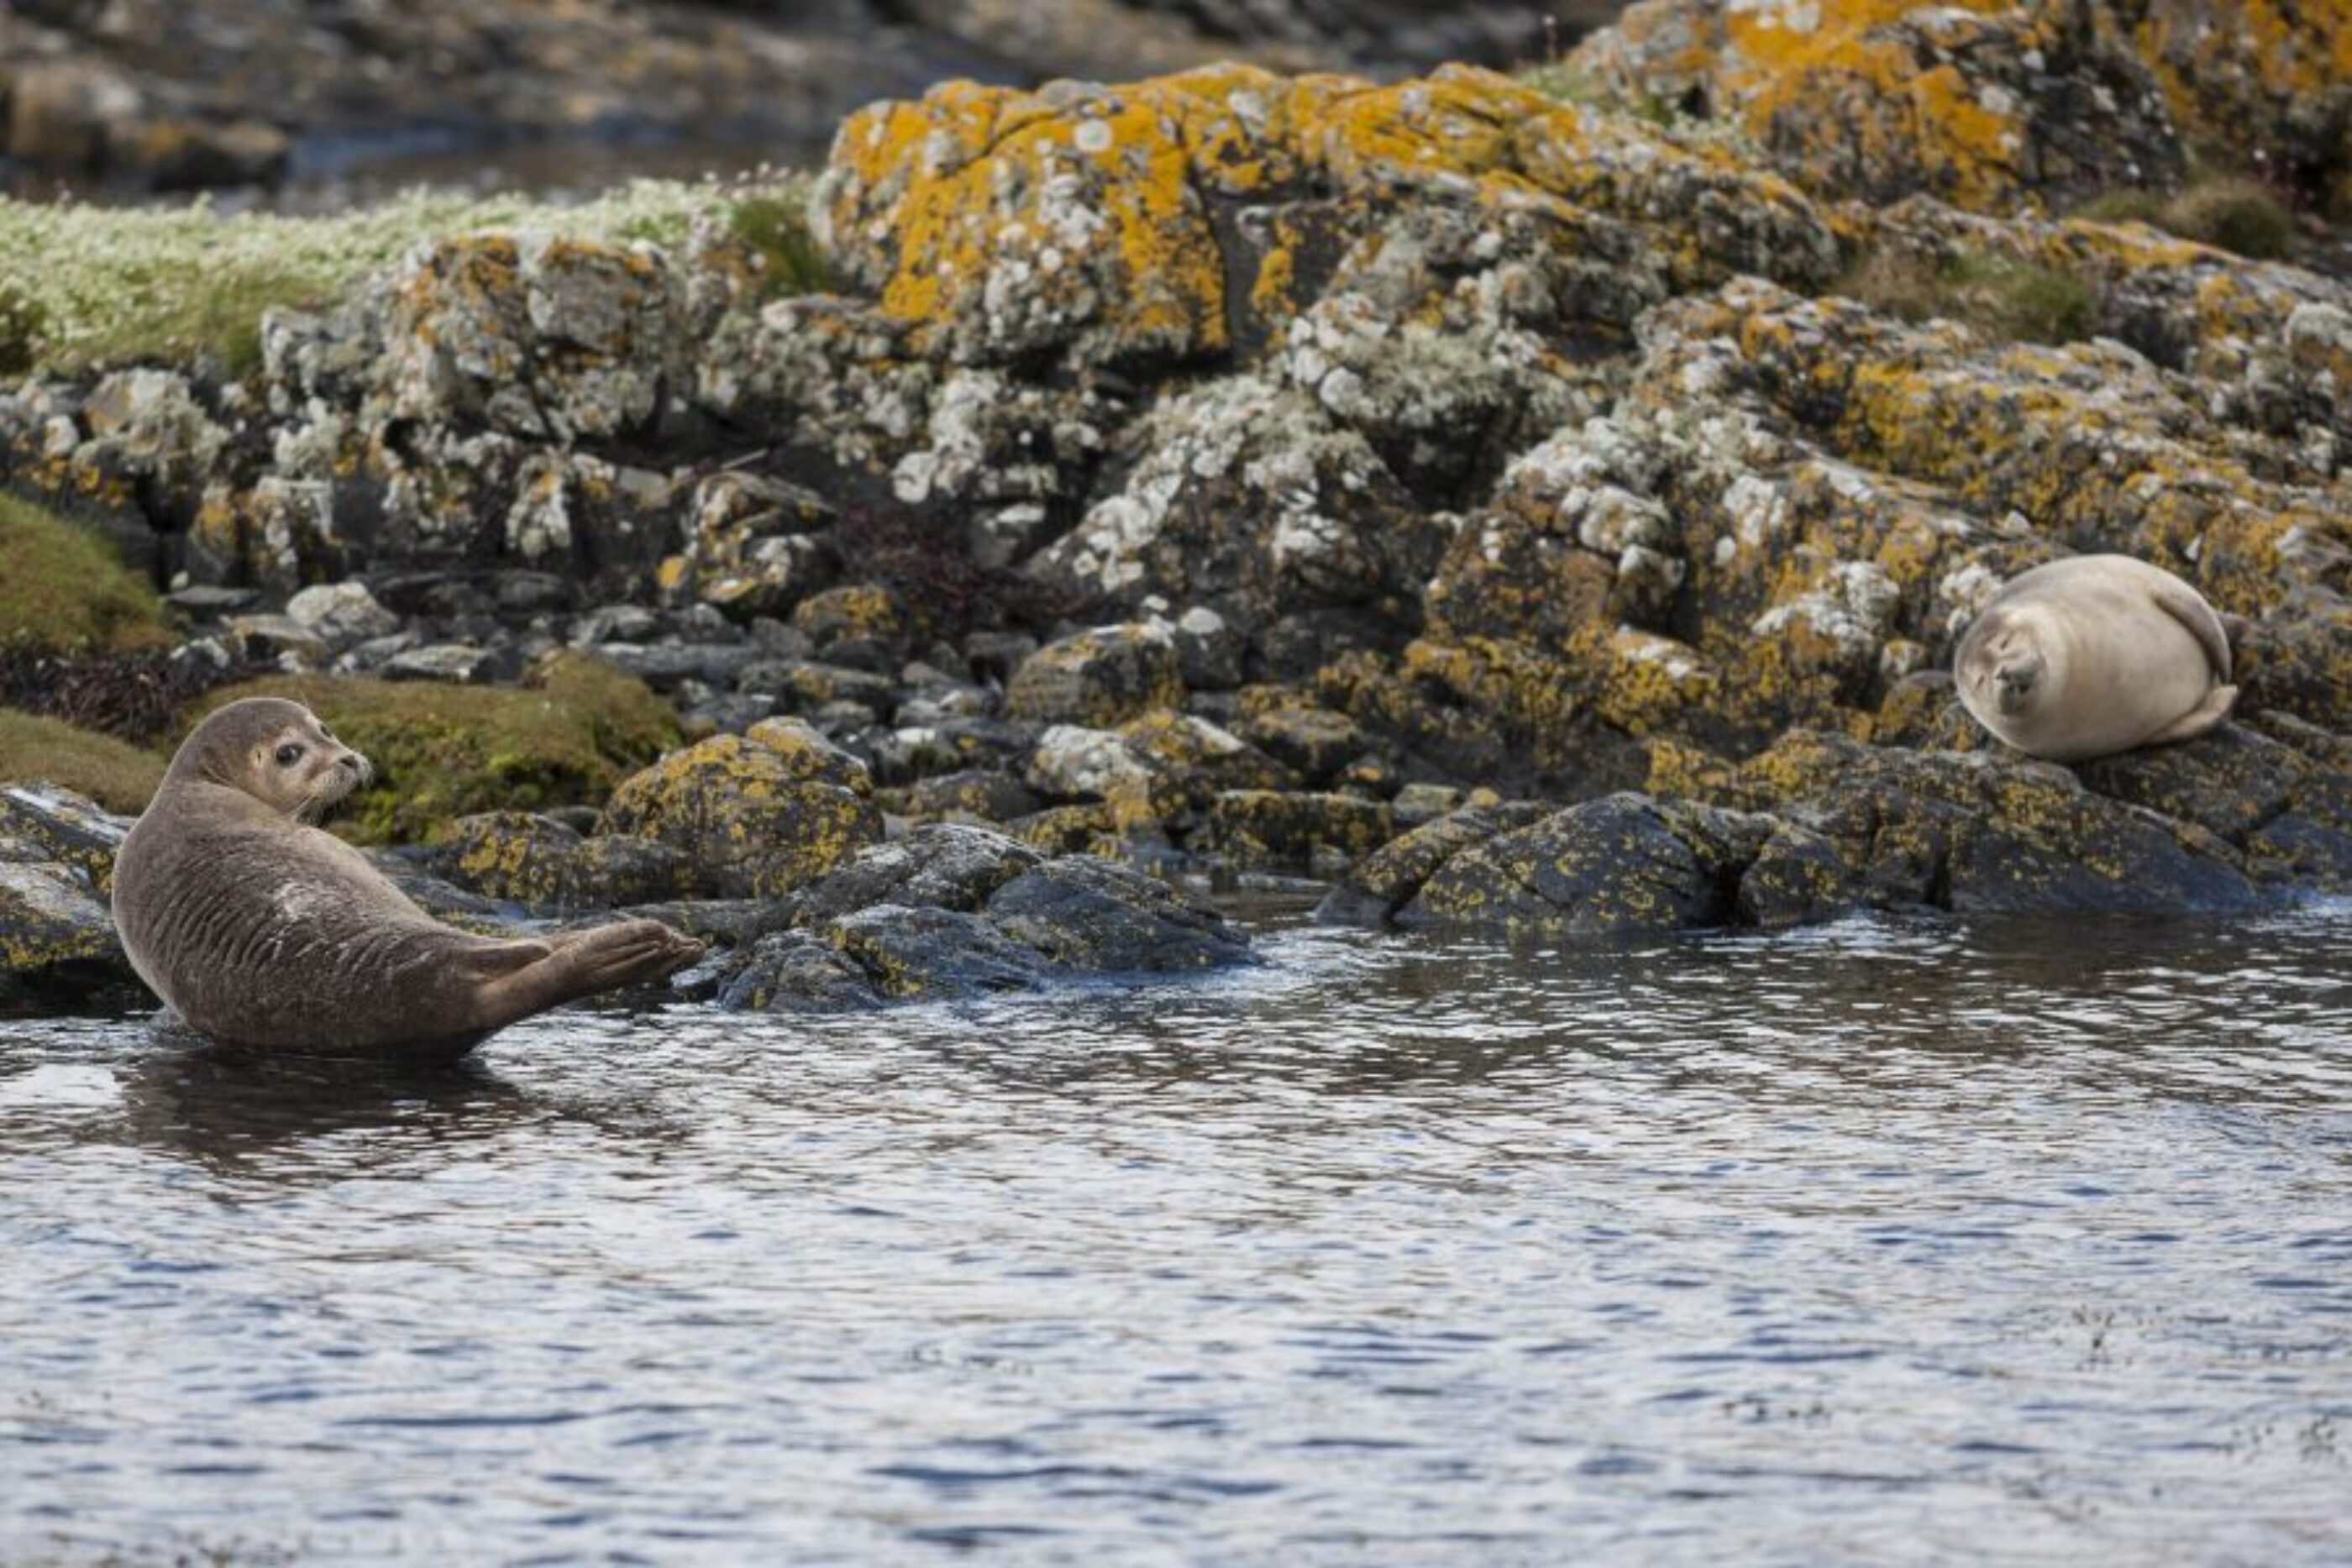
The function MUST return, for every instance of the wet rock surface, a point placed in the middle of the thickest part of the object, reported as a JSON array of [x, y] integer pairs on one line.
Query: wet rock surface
[[1492, 505], [953, 912]]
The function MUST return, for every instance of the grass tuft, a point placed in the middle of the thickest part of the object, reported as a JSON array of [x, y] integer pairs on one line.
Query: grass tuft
[[2000, 298], [775, 228], [2230, 212], [36, 750]]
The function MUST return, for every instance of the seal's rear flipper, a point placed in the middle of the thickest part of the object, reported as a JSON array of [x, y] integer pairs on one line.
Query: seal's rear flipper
[[491, 962], [602, 958], [2198, 719], [2184, 604]]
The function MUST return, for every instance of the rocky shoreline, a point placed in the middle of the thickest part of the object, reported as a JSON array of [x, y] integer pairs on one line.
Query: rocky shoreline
[[1506, 503]]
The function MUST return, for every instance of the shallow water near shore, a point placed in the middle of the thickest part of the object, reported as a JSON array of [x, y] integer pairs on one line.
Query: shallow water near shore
[[1884, 1241]]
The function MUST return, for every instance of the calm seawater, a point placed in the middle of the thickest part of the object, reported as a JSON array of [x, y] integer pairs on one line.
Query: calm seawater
[[1882, 1242]]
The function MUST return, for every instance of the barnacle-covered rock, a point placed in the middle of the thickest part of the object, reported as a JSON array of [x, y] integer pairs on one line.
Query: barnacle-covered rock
[[1181, 218], [1254, 500], [534, 336]]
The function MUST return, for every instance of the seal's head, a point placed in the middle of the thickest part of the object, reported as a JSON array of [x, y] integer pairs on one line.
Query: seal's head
[[275, 751], [2005, 665]]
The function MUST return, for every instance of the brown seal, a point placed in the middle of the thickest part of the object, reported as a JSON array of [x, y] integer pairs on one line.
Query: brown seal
[[261, 930], [2092, 655]]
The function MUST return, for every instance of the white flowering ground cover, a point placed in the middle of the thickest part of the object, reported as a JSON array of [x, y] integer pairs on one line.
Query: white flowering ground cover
[[85, 286]]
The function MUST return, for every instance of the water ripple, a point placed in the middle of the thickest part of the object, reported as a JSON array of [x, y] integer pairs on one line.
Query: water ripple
[[1885, 1240]]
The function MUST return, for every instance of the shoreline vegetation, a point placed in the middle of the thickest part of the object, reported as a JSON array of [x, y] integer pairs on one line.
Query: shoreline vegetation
[[86, 287], [1540, 503]]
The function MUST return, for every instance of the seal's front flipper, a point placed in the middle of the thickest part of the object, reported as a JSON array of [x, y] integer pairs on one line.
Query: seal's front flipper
[[2184, 604], [2198, 720]]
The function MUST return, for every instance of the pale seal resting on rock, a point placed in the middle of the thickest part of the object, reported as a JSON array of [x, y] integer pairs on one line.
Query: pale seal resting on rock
[[2092, 655], [261, 930]]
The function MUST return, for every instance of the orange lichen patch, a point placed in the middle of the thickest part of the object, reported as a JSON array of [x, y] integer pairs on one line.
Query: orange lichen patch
[[2247, 74], [1107, 217], [1881, 98], [1641, 682]]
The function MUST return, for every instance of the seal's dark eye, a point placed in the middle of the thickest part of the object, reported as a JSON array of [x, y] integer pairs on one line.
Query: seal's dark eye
[[289, 755]]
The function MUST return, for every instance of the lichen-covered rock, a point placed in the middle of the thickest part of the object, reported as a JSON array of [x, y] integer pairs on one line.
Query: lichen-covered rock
[[857, 623], [791, 971], [1820, 825], [1377, 887], [951, 911], [985, 794], [751, 819], [1982, 104], [342, 613], [1978, 835], [60, 828], [1098, 677], [1620, 865], [54, 929], [583, 514], [541, 863], [1295, 828], [1189, 760], [1156, 774], [148, 428], [755, 545], [809, 755], [1315, 741], [2288, 811], [934, 954], [1181, 218], [939, 866], [2271, 81], [1091, 829]]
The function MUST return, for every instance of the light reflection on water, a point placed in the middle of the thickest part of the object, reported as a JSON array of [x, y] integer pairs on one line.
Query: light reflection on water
[[1874, 1242]]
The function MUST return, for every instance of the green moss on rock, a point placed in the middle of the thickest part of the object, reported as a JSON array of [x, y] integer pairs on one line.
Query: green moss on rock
[[442, 752], [62, 588]]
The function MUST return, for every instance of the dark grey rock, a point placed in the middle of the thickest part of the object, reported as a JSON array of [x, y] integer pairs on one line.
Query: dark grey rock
[[1090, 915]]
